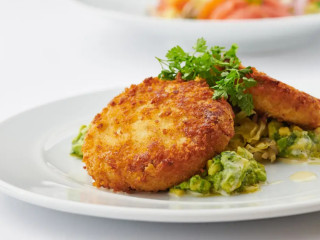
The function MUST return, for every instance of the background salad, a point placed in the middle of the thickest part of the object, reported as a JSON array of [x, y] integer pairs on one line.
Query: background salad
[[235, 9]]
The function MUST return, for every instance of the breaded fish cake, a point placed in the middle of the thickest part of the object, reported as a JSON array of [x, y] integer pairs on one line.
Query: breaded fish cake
[[155, 135], [284, 102]]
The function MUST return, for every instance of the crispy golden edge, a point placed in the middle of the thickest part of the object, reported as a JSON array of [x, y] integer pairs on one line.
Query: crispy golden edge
[[206, 124], [284, 102]]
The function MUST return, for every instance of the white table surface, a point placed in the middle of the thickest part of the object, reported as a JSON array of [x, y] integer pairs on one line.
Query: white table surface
[[50, 49]]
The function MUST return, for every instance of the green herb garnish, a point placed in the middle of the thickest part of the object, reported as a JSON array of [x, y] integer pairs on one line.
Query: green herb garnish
[[220, 68]]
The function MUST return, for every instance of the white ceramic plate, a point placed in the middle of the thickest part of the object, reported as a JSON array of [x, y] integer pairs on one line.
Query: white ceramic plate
[[35, 166], [250, 35]]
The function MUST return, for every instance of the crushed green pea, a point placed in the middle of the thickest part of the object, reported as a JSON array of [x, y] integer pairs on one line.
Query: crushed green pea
[[77, 142], [228, 173]]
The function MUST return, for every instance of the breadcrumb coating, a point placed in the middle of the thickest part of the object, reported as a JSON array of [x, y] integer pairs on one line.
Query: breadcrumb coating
[[284, 102], [156, 134]]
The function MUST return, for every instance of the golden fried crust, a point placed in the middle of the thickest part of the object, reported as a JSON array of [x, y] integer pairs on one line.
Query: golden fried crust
[[284, 102], [155, 135]]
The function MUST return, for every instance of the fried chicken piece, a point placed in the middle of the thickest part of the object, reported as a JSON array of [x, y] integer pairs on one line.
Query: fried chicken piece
[[284, 102], [156, 134]]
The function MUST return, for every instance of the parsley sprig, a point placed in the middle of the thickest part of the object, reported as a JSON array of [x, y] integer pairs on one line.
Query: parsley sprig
[[220, 68]]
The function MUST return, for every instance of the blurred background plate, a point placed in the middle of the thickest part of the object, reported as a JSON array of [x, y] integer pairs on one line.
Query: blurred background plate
[[251, 35]]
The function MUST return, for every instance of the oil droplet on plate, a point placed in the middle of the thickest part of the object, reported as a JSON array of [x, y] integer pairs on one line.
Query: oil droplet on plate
[[276, 182], [293, 160], [303, 176]]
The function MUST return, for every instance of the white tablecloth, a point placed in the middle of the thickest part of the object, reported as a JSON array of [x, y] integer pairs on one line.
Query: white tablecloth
[[50, 49]]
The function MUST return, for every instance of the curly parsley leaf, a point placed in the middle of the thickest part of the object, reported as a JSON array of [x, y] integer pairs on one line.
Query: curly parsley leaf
[[220, 68]]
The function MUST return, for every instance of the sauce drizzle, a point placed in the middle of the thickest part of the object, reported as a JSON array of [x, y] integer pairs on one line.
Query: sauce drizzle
[[303, 176]]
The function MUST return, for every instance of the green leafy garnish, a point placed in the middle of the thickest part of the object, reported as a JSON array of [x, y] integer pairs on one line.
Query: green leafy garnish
[[220, 69]]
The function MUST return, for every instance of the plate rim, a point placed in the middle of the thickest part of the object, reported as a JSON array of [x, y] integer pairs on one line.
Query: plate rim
[[165, 215], [148, 214]]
